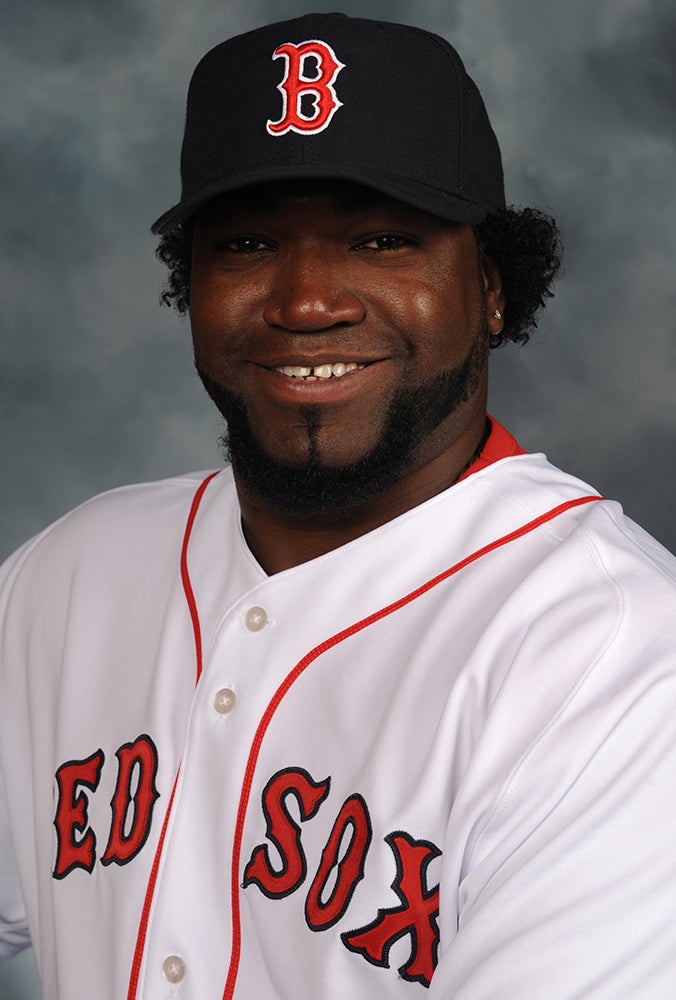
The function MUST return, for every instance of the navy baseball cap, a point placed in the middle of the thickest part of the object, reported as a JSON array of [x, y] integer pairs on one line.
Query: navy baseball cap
[[384, 105]]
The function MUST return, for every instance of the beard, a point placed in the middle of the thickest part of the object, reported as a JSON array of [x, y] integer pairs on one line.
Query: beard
[[312, 487]]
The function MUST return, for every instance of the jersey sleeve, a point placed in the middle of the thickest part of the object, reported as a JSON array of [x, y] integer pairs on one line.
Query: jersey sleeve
[[577, 898], [14, 935]]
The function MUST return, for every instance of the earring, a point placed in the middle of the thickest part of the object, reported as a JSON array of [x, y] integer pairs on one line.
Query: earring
[[497, 314]]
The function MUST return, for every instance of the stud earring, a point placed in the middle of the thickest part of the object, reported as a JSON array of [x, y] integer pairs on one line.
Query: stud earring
[[497, 314]]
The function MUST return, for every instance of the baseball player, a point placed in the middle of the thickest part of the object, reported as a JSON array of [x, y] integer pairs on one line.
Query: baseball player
[[385, 708]]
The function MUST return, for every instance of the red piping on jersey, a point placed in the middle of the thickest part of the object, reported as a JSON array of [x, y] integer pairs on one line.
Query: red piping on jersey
[[145, 913], [300, 667], [185, 575], [197, 634]]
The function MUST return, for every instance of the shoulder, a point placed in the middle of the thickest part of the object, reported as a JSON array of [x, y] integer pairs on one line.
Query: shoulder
[[530, 483], [614, 538], [569, 537], [135, 523]]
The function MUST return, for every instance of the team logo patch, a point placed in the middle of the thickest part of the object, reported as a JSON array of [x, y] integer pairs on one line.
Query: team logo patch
[[309, 99]]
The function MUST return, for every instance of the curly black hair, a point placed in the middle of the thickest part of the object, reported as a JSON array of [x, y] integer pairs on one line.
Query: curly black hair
[[175, 251], [524, 244]]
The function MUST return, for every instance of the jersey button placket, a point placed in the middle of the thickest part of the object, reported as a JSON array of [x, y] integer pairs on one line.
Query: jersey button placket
[[225, 701], [173, 969], [256, 619]]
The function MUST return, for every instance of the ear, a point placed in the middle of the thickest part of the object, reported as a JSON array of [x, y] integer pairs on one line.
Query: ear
[[495, 300]]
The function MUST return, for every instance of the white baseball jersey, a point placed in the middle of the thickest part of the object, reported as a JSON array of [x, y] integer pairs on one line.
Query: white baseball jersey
[[438, 761]]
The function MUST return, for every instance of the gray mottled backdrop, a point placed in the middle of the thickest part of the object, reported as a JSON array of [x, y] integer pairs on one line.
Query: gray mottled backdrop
[[97, 386]]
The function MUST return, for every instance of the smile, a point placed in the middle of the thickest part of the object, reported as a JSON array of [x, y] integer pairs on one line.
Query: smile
[[325, 371]]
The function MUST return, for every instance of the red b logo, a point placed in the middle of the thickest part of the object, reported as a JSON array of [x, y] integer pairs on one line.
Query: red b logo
[[296, 84]]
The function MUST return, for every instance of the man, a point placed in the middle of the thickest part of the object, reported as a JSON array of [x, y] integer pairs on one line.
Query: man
[[389, 705]]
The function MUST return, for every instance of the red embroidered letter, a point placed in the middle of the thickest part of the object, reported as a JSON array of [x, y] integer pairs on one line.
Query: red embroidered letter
[[76, 842], [349, 870], [318, 89], [128, 837], [417, 915], [284, 832]]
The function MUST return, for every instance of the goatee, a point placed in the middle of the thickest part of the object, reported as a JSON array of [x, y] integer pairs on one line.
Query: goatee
[[313, 487]]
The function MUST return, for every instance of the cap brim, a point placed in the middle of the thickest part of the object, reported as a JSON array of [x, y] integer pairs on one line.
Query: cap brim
[[421, 196]]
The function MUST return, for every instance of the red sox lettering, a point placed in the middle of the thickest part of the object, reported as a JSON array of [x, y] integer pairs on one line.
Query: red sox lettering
[[314, 114], [321, 913], [341, 865], [416, 915], [418, 909], [132, 807], [285, 834]]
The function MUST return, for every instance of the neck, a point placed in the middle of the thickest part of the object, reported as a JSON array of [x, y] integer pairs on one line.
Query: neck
[[280, 540]]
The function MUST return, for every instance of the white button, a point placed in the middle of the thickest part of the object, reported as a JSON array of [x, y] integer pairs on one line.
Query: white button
[[224, 701], [255, 619], [173, 969]]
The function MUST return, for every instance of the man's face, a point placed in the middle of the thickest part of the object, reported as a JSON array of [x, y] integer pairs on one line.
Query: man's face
[[342, 335]]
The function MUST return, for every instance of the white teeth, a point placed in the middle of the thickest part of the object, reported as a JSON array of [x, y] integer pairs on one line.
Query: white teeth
[[320, 371], [295, 372]]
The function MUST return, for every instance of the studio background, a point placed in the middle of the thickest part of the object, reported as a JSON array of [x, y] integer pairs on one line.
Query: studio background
[[97, 387]]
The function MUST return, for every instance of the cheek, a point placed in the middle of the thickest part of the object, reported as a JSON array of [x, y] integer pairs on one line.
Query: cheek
[[405, 306], [425, 306], [218, 317], [220, 301], [439, 320], [203, 327]]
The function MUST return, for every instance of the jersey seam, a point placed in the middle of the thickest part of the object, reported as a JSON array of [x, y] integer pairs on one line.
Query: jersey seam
[[512, 781]]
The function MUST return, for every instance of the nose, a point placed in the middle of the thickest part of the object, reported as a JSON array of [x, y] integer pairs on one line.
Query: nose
[[311, 292]]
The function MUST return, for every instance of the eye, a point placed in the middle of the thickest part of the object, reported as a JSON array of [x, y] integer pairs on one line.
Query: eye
[[385, 241], [245, 245]]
